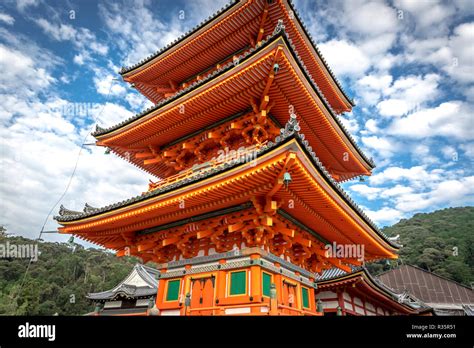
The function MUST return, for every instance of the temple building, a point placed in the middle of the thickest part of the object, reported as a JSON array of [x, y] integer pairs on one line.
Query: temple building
[[133, 296], [247, 153], [357, 293]]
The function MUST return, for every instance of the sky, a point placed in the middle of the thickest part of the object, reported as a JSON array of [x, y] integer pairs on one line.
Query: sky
[[408, 65]]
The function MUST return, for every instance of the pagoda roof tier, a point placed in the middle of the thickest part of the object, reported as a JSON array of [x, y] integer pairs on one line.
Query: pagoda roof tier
[[236, 27], [232, 90], [318, 200], [361, 282]]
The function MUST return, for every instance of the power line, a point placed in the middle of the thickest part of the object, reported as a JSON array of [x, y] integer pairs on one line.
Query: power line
[[71, 177]]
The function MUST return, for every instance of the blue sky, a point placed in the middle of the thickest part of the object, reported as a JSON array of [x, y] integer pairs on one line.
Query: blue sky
[[409, 65]]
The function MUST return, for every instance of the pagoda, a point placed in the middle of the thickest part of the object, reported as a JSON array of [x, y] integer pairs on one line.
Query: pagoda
[[246, 151]]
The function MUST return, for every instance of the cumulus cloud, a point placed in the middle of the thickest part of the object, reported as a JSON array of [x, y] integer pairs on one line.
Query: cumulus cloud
[[450, 193], [450, 119], [140, 32], [81, 38], [6, 18], [346, 58], [384, 215], [384, 146], [40, 144], [414, 175], [408, 93], [20, 72]]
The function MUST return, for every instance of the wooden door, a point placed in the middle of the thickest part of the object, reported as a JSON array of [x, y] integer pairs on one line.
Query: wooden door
[[202, 294]]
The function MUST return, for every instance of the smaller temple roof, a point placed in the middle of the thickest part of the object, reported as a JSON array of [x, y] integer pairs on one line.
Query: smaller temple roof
[[435, 290], [141, 282], [334, 276]]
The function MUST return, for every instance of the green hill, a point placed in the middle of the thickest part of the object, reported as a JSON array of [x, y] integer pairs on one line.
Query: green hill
[[441, 242], [59, 280]]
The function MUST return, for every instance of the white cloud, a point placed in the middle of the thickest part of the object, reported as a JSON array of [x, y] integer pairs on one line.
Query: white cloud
[[468, 149], [452, 54], [370, 127], [450, 119], [367, 191], [450, 193], [448, 152], [110, 114], [408, 93], [384, 146], [384, 215], [81, 38], [395, 191], [137, 101], [461, 44], [350, 122], [78, 59], [345, 58], [430, 17], [6, 18], [106, 82], [20, 73], [372, 87], [23, 4], [416, 175], [370, 18], [422, 153]]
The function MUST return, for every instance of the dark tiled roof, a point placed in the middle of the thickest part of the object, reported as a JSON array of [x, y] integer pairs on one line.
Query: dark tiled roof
[[400, 296], [290, 131], [427, 286]]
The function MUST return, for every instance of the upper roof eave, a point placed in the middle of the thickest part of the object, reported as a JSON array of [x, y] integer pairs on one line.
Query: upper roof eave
[[127, 70]]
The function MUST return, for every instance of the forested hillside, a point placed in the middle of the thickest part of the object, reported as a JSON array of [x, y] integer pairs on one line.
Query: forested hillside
[[441, 242], [59, 280]]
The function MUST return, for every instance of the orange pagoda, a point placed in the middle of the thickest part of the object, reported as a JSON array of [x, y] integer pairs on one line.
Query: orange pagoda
[[247, 153]]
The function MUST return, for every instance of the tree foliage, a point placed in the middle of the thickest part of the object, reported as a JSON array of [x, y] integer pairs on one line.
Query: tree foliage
[[441, 242], [58, 282]]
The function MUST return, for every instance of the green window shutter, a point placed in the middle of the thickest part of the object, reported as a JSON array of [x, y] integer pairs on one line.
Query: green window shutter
[[238, 281], [266, 281], [305, 297], [173, 290]]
